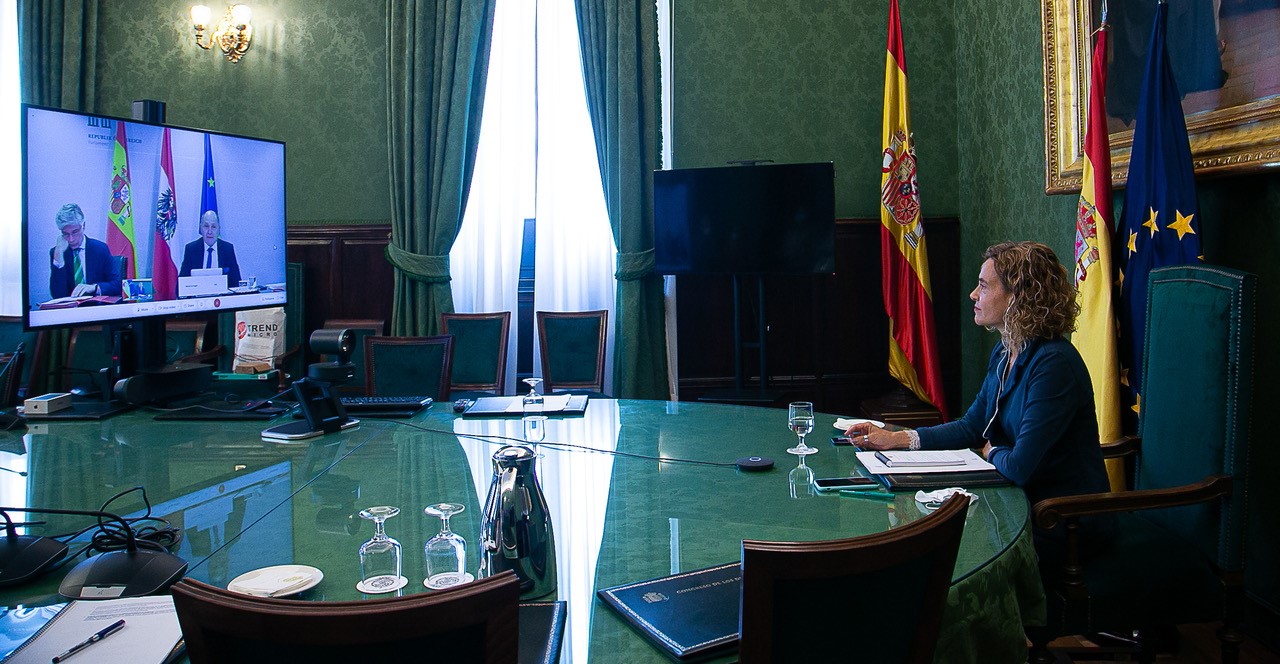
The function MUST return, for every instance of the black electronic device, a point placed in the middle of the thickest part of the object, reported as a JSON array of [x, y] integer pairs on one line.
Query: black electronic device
[[336, 342], [372, 404], [320, 407], [754, 464], [462, 405], [25, 556], [757, 219], [129, 572], [78, 170]]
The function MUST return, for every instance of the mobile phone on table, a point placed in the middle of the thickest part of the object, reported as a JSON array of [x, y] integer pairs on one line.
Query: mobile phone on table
[[845, 483]]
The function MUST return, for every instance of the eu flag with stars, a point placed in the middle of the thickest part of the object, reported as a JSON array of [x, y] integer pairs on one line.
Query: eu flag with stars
[[1159, 225]]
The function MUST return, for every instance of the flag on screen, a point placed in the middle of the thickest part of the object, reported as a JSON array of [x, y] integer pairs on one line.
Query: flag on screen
[[913, 349], [208, 190], [120, 208], [1159, 225], [164, 272]]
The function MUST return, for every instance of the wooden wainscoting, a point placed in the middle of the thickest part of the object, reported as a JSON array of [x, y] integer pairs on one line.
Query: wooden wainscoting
[[827, 336], [346, 275]]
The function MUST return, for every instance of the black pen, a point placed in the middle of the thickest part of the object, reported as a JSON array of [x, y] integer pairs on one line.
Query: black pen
[[102, 634]]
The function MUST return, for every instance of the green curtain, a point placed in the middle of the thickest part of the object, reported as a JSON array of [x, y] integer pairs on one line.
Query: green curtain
[[619, 43], [437, 61], [58, 48]]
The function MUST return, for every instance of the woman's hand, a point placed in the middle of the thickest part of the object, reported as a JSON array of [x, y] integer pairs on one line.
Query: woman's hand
[[986, 451], [871, 437]]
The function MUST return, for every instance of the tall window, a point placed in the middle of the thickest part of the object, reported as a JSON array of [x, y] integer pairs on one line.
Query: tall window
[[10, 166], [536, 159]]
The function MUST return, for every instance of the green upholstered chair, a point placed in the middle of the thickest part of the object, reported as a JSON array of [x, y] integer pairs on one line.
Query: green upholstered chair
[[798, 598], [408, 366], [479, 352], [473, 622], [10, 377], [360, 328], [184, 341], [1178, 554], [572, 347]]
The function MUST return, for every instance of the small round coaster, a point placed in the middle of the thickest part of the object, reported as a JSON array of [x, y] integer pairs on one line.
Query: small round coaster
[[382, 584], [448, 580], [754, 463]]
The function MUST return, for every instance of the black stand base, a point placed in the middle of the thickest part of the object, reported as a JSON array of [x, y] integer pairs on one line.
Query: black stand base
[[745, 396]]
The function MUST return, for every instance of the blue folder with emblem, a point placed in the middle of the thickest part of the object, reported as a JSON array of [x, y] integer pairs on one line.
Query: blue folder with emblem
[[689, 616]]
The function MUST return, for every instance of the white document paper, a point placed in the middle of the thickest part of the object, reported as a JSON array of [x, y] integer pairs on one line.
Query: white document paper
[[149, 634], [972, 462]]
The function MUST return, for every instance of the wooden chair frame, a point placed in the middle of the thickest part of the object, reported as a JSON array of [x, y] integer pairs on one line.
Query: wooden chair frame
[[766, 563], [210, 616], [499, 385], [444, 339], [549, 383]]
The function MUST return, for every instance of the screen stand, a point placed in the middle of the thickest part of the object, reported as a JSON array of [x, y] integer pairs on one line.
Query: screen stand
[[759, 395], [152, 379]]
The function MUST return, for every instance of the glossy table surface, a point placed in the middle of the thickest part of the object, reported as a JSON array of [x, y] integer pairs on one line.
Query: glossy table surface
[[620, 514]]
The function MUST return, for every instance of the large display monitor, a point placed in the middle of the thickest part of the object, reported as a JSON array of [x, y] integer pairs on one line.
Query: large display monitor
[[761, 219], [125, 220]]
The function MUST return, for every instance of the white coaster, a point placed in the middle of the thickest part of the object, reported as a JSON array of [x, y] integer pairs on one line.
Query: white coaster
[[448, 580], [382, 584]]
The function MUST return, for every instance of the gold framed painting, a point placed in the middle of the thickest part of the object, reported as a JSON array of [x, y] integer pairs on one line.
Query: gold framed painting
[[1224, 54]]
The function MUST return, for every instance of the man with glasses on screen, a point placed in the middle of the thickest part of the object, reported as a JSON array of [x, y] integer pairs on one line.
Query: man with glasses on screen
[[209, 251], [80, 265]]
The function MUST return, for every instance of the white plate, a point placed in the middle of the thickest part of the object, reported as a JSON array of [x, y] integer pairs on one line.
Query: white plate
[[244, 289], [844, 423], [276, 581]]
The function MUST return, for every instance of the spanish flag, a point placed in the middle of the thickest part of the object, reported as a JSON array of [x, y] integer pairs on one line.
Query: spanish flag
[[120, 208], [913, 348], [1095, 334]]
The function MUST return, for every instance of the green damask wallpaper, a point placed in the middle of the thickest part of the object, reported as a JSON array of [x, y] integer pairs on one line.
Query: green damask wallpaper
[[314, 78], [795, 81], [803, 80]]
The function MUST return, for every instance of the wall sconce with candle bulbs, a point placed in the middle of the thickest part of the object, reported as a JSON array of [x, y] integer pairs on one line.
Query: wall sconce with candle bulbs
[[232, 35]]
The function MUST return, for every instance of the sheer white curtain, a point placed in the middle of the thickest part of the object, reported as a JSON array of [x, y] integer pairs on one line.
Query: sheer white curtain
[[485, 260], [536, 160], [11, 166]]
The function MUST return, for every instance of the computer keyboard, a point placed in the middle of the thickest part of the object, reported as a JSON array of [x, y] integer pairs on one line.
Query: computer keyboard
[[357, 404]]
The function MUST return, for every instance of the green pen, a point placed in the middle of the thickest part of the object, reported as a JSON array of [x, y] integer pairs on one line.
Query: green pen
[[882, 496]]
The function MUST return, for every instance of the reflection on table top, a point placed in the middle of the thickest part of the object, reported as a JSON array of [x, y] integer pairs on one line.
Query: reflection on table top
[[625, 504]]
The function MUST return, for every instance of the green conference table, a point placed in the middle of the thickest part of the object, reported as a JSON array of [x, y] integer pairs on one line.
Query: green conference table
[[245, 503]]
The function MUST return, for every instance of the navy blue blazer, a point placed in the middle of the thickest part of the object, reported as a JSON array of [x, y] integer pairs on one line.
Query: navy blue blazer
[[100, 269], [1043, 427], [193, 259]]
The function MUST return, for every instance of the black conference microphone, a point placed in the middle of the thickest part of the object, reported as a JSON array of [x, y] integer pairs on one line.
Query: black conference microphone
[[25, 556], [129, 572]]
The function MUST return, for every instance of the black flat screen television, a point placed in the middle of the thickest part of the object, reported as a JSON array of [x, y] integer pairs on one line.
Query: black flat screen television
[[764, 219], [117, 223]]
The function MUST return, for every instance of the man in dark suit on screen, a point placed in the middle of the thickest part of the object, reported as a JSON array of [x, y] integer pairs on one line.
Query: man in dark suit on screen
[[79, 265], [211, 252]]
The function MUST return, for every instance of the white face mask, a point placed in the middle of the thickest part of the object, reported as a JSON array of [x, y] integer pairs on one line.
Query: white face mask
[[932, 500]]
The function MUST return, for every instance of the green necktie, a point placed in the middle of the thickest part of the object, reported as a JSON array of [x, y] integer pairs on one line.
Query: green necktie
[[79, 267]]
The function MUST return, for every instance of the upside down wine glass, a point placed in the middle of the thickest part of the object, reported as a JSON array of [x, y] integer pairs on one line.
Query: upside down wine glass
[[446, 552], [800, 420], [380, 556]]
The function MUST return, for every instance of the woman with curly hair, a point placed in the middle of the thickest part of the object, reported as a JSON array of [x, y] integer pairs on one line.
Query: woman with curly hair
[[1034, 417]]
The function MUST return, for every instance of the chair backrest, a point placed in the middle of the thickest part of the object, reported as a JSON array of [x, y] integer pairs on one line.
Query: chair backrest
[[798, 597], [479, 350], [360, 328], [475, 622], [1197, 385], [408, 366], [88, 352], [572, 346], [10, 378]]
